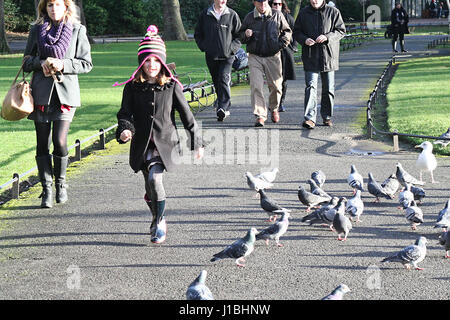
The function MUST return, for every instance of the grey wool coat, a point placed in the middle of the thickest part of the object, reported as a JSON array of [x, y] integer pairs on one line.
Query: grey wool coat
[[76, 60]]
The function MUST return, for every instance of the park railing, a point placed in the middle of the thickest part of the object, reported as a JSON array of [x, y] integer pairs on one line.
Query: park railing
[[438, 42], [377, 92]]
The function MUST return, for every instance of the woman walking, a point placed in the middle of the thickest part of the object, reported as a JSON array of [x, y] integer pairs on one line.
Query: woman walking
[[147, 118], [57, 51], [399, 20]]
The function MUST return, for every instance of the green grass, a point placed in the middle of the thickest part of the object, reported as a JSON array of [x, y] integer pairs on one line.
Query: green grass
[[419, 99], [100, 101]]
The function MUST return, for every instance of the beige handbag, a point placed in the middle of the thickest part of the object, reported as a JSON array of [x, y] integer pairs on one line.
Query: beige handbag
[[18, 102]]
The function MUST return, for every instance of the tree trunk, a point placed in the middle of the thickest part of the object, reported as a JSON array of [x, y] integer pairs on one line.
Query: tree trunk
[[296, 8], [36, 2], [173, 25], [448, 15], [82, 17], [4, 47]]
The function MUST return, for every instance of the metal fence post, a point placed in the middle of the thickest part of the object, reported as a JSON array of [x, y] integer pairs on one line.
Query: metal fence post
[[77, 150], [15, 187], [102, 141], [395, 141]]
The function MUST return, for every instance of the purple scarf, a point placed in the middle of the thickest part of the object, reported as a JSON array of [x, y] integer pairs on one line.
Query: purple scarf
[[54, 42]]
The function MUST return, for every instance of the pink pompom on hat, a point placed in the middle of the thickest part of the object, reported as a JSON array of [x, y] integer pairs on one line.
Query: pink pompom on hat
[[152, 45]]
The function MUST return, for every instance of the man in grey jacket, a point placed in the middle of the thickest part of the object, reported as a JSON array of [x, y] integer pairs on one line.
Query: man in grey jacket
[[319, 28]]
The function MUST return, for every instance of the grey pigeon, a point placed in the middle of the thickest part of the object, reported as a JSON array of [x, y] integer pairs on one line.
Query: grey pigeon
[[355, 179], [404, 177], [257, 183], [309, 199], [444, 143], [315, 189], [270, 206], [338, 293], [418, 192], [319, 177], [410, 255], [414, 215], [198, 290], [405, 197], [355, 206], [391, 185], [375, 189], [239, 249], [444, 240], [341, 223], [324, 214], [276, 230], [443, 220], [268, 176]]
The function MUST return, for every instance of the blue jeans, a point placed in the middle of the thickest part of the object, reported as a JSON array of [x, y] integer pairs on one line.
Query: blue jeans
[[327, 101]]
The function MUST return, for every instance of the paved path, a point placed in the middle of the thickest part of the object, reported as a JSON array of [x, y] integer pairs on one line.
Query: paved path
[[101, 233]]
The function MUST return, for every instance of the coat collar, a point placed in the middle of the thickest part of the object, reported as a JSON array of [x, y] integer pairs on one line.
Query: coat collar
[[211, 11], [256, 13]]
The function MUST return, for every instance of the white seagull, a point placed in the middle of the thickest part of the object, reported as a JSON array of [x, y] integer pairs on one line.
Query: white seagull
[[426, 160]]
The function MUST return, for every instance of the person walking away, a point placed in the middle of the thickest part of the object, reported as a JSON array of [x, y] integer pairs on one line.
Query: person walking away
[[319, 29], [57, 50], [147, 118], [216, 34], [287, 54], [399, 20], [265, 32]]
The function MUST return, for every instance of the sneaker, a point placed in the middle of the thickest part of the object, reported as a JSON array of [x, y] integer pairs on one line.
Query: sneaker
[[281, 108], [161, 232], [308, 124], [275, 116], [222, 114], [328, 123], [259, 122]]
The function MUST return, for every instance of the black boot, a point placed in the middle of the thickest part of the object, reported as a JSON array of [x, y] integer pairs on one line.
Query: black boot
[[44, 164], [161, 227], [394, 46], [153, 224], [402, 45], [60, 167]]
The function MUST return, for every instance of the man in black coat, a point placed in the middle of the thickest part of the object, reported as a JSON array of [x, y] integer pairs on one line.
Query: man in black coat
[[319, 28], [399, 20], [216, 34]]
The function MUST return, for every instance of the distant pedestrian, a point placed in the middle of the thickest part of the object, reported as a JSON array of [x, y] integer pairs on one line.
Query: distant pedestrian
[[217, 34], [147, 118], [265, 32], [399, 21], [319, 29], [57, 51]]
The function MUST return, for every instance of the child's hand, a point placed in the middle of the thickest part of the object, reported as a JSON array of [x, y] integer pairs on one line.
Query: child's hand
[[199, 153], [126, 135]]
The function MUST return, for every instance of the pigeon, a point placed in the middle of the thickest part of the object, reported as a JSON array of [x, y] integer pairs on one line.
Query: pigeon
[[257, 183], [319, 177], [315, 189], [443, 220], [275, 231], [268, 176], [323, 215], [309, 199], [418, 192], [375, 189], [341, 223], [338, 293], [426, 160], [355, 179], [444, 240], [405, 197], [444, 143], [414, 215], [410, 255], [355, 206], [239, 249], [270, 206], [404, 177], [197, 290], [390, 185]]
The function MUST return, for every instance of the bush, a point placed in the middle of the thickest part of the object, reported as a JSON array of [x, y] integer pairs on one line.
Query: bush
[[12, 18], [96, 18]]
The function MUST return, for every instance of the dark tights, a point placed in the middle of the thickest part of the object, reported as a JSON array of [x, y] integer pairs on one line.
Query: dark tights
[[58, 137]]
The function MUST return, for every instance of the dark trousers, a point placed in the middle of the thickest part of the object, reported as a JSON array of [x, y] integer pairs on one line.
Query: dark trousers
[[220, 71]]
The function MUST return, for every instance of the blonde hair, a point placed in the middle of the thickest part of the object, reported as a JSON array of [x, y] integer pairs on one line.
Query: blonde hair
[[162, 78], [71, 11]]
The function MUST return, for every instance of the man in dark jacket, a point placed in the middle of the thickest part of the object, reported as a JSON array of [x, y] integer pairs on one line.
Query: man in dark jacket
[[216, 34], [319, 28], [266, 32], [399, 20]]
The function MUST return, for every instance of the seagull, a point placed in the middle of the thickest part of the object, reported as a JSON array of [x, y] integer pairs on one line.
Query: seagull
[[341, 223], [276, 230], [270, 206], [198, 290], [426, 160], [355, 179], [410, 255], [323, 215], [315, 189], [375, 189], [444, 143], [338, 293], [319, 177], [309, 199], [390, 185], [414, 215], [444, 240], [239, 249], [405, 197], [257, 183], [404, 177], [443, 220], [355, 206], [268, 176]]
